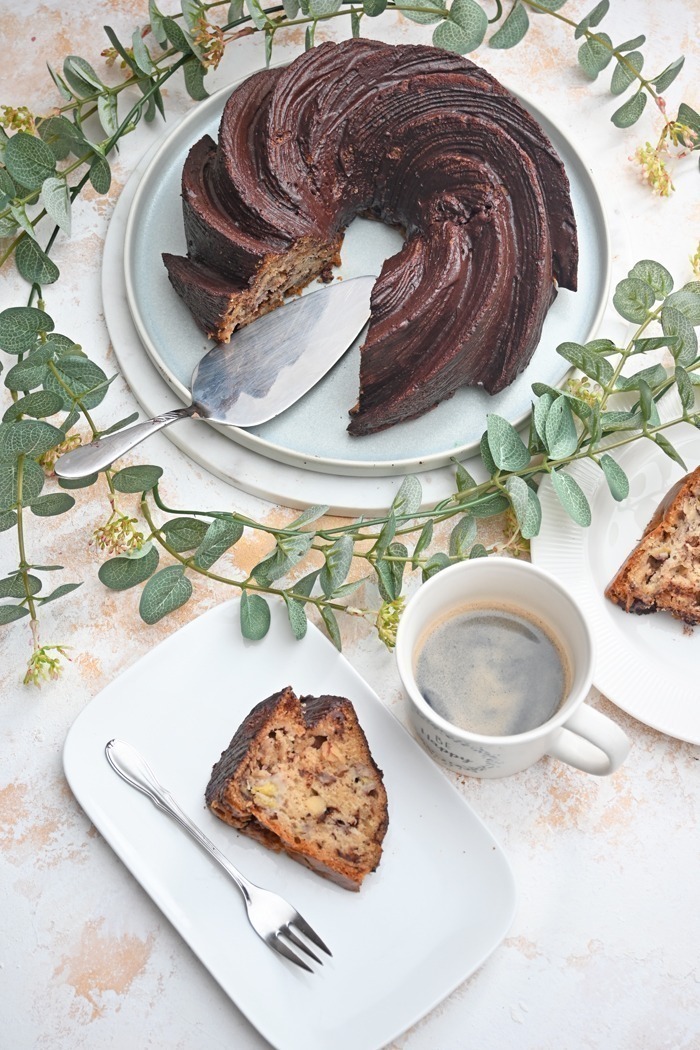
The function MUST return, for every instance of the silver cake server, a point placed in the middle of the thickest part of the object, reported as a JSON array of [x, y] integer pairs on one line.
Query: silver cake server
[[267, 366]]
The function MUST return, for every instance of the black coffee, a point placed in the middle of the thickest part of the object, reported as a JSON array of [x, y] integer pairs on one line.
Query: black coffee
[[492, 670]]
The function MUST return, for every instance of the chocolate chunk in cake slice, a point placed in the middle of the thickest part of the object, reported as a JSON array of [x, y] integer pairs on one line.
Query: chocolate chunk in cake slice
[[298, 776], [663, 570]]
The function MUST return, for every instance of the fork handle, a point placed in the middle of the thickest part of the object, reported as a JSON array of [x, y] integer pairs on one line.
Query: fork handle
[[133, 768]]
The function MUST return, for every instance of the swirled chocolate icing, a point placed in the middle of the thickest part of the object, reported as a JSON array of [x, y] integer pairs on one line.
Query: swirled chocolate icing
[[421, 139]]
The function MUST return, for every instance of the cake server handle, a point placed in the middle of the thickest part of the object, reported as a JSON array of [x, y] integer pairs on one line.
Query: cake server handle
[[102, 452]]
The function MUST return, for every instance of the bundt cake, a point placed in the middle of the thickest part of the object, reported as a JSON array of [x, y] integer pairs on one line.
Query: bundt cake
[[663, 570], [421, 139], [298, 776]]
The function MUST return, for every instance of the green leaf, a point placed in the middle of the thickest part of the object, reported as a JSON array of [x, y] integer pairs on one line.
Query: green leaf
[[633, 299], [513, 29], [666, 78], [137, 479], [108, 114], [685, 389], [631, 45], [78, 483], [9, 613], [60, 83], [329, 619], [478, 551], [409, 497], [354, 23], [29, 160], [507, 448], [647, 405], [423, 541], [257, 14], [686, 302], [142, 56], [86, 379], [540, 412], [56, 199], [220, 536], [20, 326], [119, 574], [374, 8], [560, 430], [65, 588], [630, 111], [617, 480], [622, 74], [319, 8], [100, 175], [120, 424], [675, 324], [166, 591], [8, 519], [668, 449], [390, 573], [454, 37], [291, 9], [81, 76], [255, 616], [654, 376], [194, 73], [34, 264], [611, 422], [309, 515], [594, 56], [462, 536], [490, 505], [13, 586], [571, 497], [32, 483], [155, 19], [297, 617], [54, 503], [642, 346], [177, 37], [426, 18], [689, 117], [465, 482], [486, 457], [518, 492], [337, 566], [192, 13], [32, 437], [184, 534], [655, 275], [434, 565], [594, 18], [386, 535]]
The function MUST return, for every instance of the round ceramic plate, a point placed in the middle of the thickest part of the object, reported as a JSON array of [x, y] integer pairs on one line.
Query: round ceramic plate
[[312, 433], [647, 665]]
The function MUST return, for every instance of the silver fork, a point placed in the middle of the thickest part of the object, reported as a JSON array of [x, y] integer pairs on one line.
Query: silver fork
[[271, 916]]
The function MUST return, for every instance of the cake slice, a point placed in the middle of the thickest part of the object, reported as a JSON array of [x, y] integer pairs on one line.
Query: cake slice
[[298, 776], [663, 570]]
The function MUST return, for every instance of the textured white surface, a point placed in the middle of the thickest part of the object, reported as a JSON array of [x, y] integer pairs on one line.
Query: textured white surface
[[603, 952]]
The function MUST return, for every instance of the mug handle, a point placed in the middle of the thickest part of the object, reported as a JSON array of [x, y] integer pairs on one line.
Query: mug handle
[[592, 742]]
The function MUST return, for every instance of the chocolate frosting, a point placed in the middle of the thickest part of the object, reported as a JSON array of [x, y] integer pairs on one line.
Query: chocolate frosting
[[422, 139]]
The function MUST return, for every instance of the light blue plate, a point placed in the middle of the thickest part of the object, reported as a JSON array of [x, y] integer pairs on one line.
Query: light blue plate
[[312, 433]]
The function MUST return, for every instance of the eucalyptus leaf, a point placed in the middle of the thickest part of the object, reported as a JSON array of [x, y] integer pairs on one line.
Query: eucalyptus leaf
[[422, 543], [137, 479], [687, 302], [572, 498], [81, 76], [120, 424], [434, 10], [374, 8], [689, 117], [39, 404], [331, 624], [319, 8], [34, 264], [654, 375], [255, 616], [386, 535], [291, 9], [617, 480], [630, 111], [655, 275], [309, 515], [390, 573], [20, 327], [119, 574], [594, 55], [9, 613], [462, 536], [478, 551], [166, 591], [676, 325], [29, 160], [355, 23], [337, 565], [685, 389], [78, 483], [8, 520], [624, 71], [155, 19], [22, 220], [297, 617], [220, 536], [513, 28], [435, 564], [633, 299], [100, 175], [59, 592], [409, 497], [14, 586], [32, 482], [465, 482], [507, 448], [194, 73], [257, 14], [31, 437], [540, 411], [631, 45], [666, 78], [108, 114], [594, 18], [177, 36], [488, 506], [647, 405], [83, 377], [184, 533], [453, 37], [668, 449], [560, 430], [54, 503], [56, 199]]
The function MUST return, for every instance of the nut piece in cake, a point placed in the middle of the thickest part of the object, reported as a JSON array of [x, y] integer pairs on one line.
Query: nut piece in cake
[[298, 776], [663, 570]]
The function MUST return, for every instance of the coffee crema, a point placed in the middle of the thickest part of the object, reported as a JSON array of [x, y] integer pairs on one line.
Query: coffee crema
[[492, 669]]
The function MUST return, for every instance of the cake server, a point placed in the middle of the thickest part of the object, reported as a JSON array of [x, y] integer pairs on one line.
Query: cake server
[[271, 916], [267, 366]]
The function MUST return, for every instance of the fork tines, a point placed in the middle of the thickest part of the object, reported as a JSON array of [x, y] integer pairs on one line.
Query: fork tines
[[290, 933]]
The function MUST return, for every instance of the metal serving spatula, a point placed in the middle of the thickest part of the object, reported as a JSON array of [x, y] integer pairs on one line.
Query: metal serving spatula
[[265, 368]]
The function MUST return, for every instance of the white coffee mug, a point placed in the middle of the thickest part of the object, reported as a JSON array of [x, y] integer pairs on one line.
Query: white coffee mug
[[576, 733]]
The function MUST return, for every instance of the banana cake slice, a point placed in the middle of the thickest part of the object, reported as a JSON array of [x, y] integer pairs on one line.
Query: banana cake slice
[[663, 570], [298, 776]]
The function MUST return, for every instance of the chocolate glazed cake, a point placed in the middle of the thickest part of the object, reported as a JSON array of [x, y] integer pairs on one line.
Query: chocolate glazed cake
[[421, 139]]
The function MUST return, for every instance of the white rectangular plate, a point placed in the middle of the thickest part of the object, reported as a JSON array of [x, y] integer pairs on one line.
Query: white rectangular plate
[[441, 900]]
